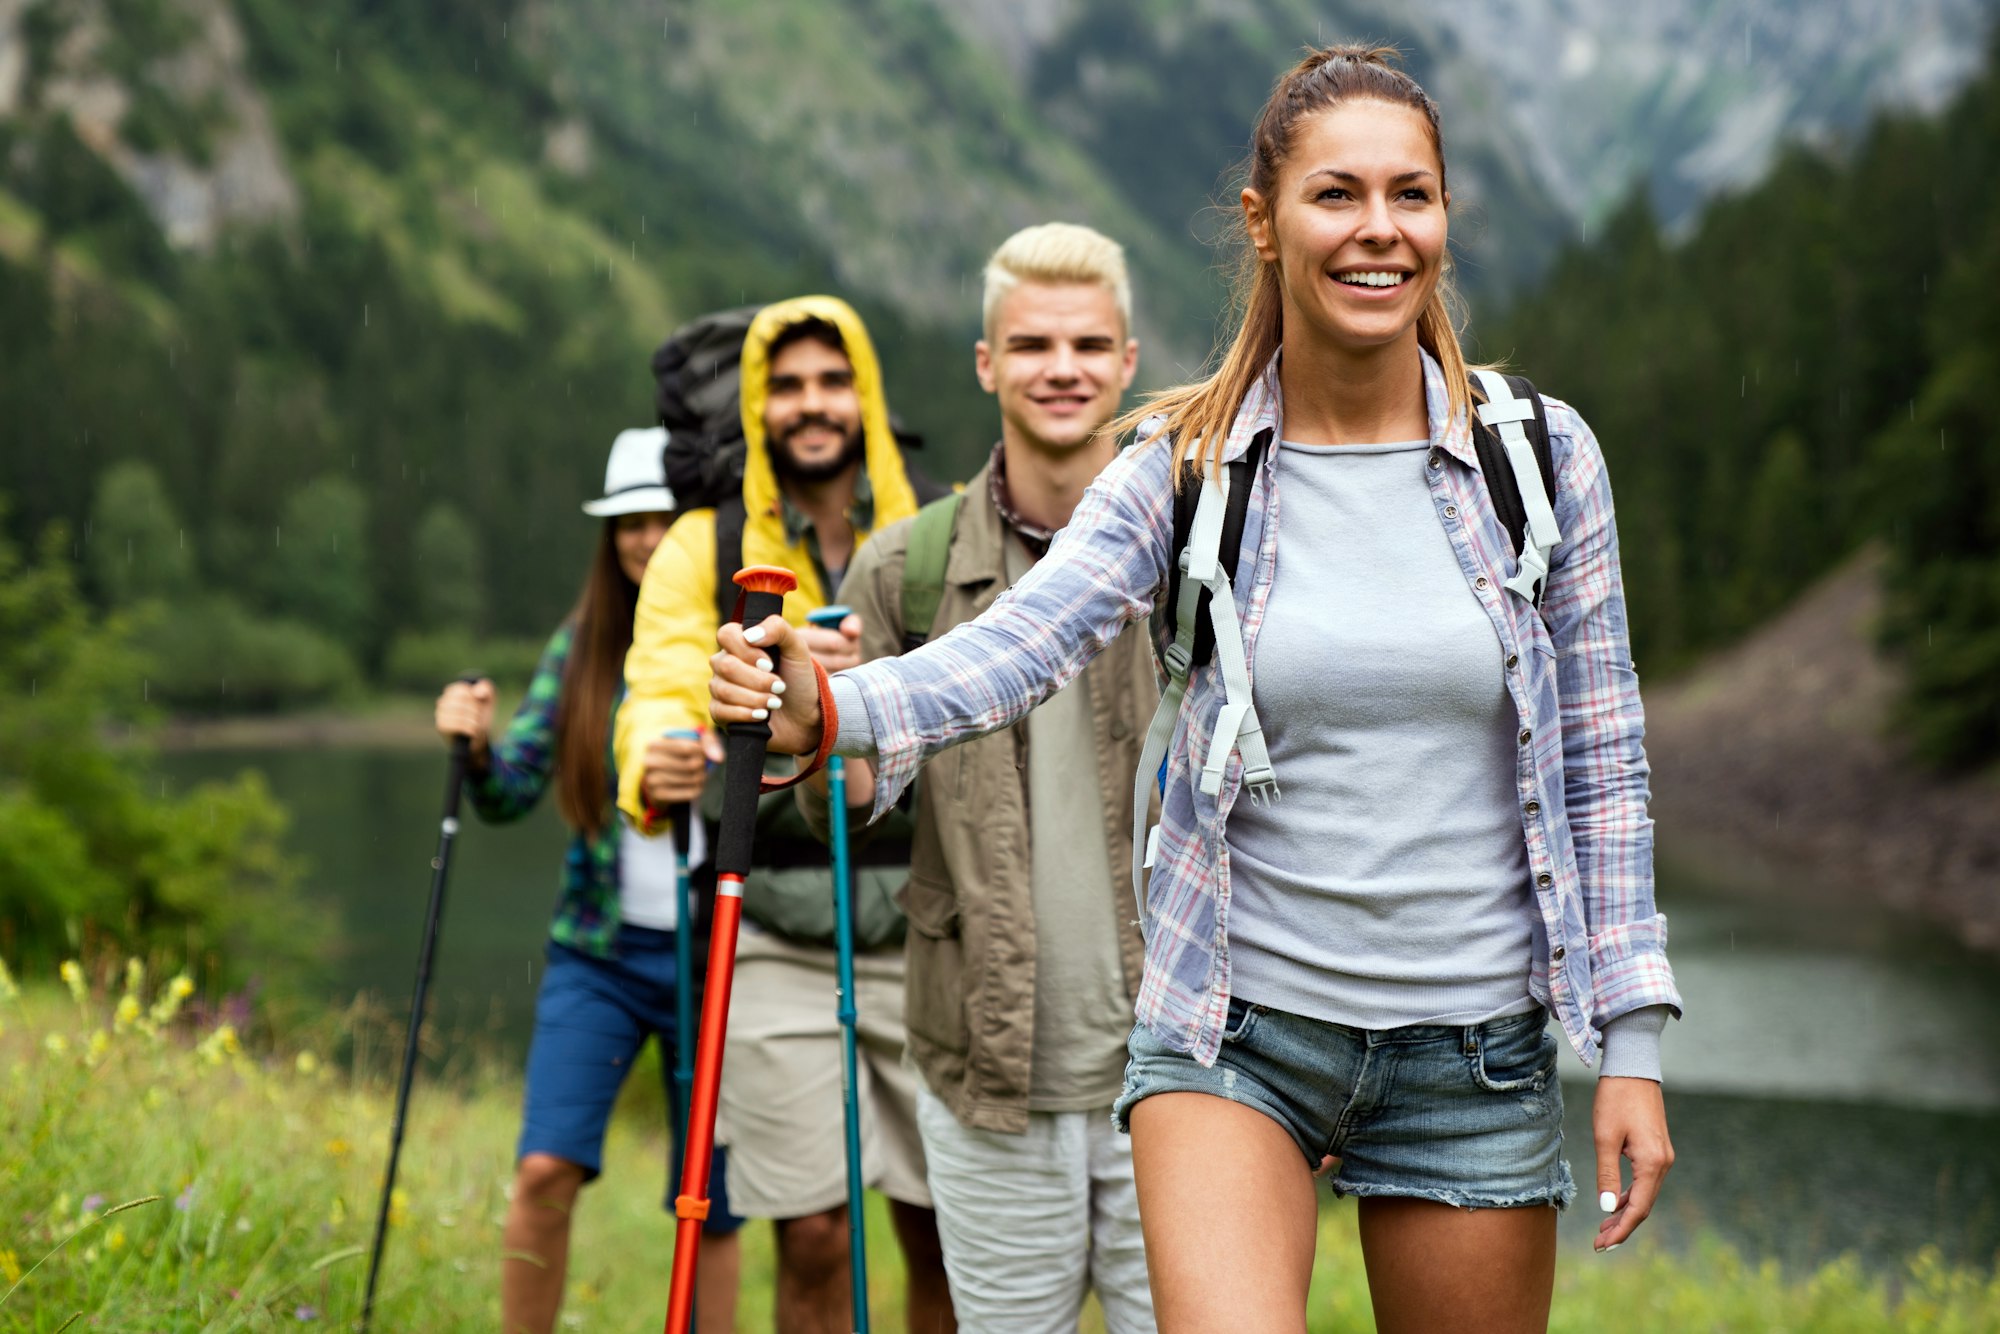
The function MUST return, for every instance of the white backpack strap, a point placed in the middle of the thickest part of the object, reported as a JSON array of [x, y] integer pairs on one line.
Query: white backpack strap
[[1179, 661], [1237, 727], [1505, 412]]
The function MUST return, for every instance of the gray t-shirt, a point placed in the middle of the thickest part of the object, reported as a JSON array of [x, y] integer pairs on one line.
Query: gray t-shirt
[[1082, 1014], [1389, 885]]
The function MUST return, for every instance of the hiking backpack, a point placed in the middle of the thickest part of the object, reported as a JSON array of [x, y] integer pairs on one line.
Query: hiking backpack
[[1512, 441]]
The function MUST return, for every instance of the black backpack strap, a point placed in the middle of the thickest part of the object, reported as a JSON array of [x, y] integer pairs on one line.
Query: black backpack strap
[[1242, 479], [1501, 484], [729, 519]]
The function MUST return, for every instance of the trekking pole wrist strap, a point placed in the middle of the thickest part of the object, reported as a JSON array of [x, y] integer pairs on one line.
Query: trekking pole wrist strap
[[829, 731]]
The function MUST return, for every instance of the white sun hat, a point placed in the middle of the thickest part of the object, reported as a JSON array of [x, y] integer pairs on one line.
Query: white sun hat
[[635, 478]]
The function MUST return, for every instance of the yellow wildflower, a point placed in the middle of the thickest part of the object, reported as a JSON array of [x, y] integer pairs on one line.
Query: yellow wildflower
[[219, 1045], [127, 1013], [135, 976], [169, 1003], [56, 1043], [308, 1064], [338, 1148], [10, 1267], [72, 976], [8, 991], [100, 1043], [116, 1241], [399, 1207]]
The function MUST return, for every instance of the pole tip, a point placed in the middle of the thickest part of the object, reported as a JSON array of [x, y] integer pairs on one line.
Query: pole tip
[[766, 579]]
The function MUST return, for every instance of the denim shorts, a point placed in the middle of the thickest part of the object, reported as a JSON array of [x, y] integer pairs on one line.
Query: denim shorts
[[1467, 1116], [591, 1018]]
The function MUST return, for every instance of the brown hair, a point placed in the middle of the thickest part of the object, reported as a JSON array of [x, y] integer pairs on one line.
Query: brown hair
[[1198, 415], [600, 633]]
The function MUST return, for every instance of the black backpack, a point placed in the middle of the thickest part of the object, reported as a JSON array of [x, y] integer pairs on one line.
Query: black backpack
[[1493, 466], [695, 377]]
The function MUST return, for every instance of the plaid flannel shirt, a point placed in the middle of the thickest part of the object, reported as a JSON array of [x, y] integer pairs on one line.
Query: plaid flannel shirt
[[1580, 772], [518, 772]]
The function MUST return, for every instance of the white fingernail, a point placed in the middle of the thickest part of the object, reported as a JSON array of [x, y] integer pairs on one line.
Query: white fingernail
[[763, 664], [754, 635], [777, 688], [759, 714], [1613, 1246], [1608, 1202], [774, 704]]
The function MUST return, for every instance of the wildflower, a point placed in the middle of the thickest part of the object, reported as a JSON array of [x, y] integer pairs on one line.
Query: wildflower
[[72, 976], [100, 1043], [127, 1013], [169, 1002], [56, 1043], [116, 1241], [93, 1202], [8, 991], [220, 1044], [308, 1064], [307, 1313], [399, 1207], [10, 1266], [185, 1199], [338, 1148], [135, 976]]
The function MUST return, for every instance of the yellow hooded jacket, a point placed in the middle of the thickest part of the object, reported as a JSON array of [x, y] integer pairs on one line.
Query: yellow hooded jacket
[[673, 633]]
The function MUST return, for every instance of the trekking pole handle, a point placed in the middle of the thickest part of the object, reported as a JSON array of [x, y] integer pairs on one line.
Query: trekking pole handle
[[764, 588]]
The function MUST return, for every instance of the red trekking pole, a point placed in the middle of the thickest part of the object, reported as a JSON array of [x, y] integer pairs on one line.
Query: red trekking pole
[[764, 588]]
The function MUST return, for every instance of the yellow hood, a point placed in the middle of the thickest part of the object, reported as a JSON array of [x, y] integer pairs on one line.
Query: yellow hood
[[894, 499]]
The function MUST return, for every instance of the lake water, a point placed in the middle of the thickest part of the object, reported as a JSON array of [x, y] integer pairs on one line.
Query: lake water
[[1835, 1086]]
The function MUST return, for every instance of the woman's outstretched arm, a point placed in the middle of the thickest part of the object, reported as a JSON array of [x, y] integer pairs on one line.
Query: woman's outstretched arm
[[1103, 572]]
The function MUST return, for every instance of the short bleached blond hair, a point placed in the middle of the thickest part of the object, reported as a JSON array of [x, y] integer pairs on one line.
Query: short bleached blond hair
[[1057, 252]]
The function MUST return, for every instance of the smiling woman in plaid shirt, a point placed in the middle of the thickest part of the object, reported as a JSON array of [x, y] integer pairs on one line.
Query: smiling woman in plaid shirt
[[1355, 978]]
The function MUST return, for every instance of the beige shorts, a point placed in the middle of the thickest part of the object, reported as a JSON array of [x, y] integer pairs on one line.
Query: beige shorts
[[781, 1109]]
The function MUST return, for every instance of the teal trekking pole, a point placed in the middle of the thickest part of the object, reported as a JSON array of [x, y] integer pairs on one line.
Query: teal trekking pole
[[845, 1012]]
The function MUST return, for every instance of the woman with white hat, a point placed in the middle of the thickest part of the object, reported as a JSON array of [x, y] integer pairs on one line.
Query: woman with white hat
[[609, 983]]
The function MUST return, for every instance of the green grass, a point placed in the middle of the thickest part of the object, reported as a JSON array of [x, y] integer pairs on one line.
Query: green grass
[[176, 1181]]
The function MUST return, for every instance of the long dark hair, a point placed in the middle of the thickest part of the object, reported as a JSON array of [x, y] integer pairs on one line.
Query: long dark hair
[[1200, 414], [601, 633]]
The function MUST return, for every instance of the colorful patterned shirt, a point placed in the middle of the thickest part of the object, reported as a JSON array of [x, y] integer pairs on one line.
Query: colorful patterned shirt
[[518, 772], [1580, 773]]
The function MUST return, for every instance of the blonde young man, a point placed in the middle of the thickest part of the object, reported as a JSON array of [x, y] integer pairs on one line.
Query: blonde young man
[[821, 474], [1023, 958]]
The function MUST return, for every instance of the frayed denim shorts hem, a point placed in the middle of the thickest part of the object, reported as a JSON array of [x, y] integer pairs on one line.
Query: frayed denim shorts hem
[[1469, 1116]]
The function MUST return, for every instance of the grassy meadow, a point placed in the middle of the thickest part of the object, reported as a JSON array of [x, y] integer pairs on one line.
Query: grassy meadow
[[166, 1173]]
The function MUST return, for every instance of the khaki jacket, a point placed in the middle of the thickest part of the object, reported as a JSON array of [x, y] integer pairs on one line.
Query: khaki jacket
[[969, 1002]]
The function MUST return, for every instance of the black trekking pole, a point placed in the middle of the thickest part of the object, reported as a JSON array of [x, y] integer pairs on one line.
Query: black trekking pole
[[764, 588], [454, 783]]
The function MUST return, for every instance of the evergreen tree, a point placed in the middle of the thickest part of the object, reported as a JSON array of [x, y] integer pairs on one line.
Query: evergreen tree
[[138, 546]]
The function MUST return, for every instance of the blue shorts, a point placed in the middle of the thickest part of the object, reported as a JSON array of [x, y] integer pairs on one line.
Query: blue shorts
[[1467, 1116], [591, 1018]]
